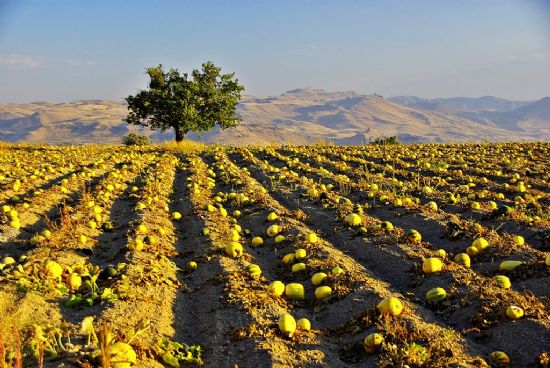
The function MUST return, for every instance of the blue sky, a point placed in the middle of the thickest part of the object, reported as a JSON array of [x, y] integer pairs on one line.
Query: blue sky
[[76, 49]]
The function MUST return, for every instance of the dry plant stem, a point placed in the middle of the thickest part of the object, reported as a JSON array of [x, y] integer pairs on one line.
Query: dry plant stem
[[2, 351], [104, 341], [41, 355], [18, 352]]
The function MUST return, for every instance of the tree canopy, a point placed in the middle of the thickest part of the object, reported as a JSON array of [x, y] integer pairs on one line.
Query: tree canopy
[[186, 103]]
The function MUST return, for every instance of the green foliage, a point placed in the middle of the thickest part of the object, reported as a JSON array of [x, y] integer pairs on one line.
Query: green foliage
[[384, 141], [186, 103], [134, 139], [174, 353]]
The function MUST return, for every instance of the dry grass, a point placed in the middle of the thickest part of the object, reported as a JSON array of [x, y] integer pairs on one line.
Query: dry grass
[[407, 345], [186, 146], [18, 353], [2, 351], [10, 351], [322, 142]]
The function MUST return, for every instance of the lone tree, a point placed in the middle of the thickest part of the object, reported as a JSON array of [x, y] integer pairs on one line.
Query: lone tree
[[195, 103]]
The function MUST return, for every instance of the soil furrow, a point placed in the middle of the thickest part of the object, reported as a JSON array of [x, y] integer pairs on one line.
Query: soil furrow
[[374, 258]]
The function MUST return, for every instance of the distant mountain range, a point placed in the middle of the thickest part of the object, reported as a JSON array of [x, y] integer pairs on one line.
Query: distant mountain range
[[305, 115], [459, 104], [532, 117]]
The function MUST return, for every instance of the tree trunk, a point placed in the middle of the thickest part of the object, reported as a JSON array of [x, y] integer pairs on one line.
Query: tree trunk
[[180, 134]]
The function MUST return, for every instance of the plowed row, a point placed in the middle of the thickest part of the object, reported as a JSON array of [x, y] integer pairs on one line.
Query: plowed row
[[150, 257]]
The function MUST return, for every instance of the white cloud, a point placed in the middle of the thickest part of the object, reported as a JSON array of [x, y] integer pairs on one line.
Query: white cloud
[[35, 62], [22, 61], [540, 57], [79, 62]]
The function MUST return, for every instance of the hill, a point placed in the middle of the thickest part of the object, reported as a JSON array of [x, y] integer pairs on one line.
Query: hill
[[531, 117], [460, 104], [298, 116]]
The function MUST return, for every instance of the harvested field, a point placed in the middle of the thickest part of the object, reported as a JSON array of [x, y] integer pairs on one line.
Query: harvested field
[[407, 255]]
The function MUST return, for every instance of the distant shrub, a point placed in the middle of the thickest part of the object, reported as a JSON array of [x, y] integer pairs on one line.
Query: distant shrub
[[134, 139], [383, 141]]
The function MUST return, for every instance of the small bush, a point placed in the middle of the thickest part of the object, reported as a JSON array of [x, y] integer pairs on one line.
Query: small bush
[[385, 140], [134, 139]]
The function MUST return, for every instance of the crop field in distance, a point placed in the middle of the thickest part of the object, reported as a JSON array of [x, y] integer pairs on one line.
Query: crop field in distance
[[434, 255]]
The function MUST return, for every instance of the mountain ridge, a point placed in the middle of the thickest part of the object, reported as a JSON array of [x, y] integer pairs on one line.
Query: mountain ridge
[[303, 115], [488, 103]]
